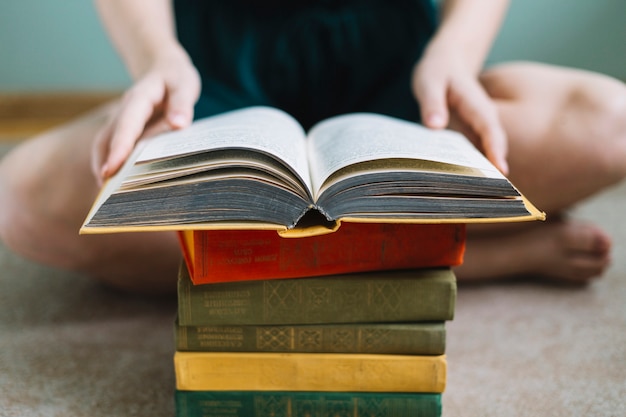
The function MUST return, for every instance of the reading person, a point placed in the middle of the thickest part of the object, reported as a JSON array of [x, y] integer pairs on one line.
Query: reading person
[[559, 134]]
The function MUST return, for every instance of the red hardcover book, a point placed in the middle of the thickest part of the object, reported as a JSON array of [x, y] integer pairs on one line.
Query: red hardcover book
[[239, 255]]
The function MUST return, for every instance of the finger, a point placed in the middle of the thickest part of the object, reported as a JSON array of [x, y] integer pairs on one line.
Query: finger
[[477, 111], [156, 127], [430, 92], [100, 148], [127, 129], [180, 102], [137, 110], [180, 108]]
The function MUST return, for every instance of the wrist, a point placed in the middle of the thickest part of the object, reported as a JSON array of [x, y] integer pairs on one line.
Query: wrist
[[156, 55], [449, 46], [143, 32], [468, 29]]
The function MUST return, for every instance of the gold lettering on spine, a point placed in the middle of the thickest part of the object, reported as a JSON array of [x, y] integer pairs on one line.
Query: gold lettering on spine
[[226, 303]]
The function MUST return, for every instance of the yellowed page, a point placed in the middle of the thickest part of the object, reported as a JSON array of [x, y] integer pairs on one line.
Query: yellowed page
[[270, 131], [349, 139]]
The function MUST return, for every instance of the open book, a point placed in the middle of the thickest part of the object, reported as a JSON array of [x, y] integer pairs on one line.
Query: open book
[[256, 168]]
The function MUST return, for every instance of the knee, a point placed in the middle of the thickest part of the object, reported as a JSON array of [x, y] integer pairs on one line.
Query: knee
[[606, 113], [32, 224], [614, 119], [14, 192]]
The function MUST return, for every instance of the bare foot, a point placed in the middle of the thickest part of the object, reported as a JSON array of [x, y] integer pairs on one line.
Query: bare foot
[[564, 250]]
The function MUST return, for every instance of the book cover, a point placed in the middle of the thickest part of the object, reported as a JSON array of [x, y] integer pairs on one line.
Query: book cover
[[426, 338], [238, 255], [328, 372], [306, 404], [426, 294]]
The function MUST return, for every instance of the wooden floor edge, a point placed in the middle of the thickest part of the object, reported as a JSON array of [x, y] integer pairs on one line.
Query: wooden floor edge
[[26, 114]]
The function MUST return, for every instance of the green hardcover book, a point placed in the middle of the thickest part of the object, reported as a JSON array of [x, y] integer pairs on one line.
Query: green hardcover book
[[305, 404], [427, 294], [427, 338]]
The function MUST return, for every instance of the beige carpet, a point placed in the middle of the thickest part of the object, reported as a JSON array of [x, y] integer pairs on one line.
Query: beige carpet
[[69, 347]]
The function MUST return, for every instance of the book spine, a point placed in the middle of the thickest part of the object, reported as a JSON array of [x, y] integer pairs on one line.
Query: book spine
[[301, 404], [240, 255], [327, 372], [376, 297], [401, 339]]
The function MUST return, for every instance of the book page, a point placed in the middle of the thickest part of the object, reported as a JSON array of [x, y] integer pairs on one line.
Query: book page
[[349, 139], [270, 131], [114, 183], [160, 172]]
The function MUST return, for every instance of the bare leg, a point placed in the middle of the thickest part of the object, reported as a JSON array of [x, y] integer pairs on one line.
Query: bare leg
[[567, 135], [46, 189], [567, 141]]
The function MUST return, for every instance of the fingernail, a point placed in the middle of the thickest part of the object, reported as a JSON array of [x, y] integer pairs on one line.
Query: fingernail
[[504, 166], [104, 172], [435, 120], [178, 120]]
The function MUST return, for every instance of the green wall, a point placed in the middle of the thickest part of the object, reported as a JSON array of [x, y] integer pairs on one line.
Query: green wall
[[59, 45]]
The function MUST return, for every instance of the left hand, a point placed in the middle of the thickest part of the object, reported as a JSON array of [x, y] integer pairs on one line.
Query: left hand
[[450, 95]]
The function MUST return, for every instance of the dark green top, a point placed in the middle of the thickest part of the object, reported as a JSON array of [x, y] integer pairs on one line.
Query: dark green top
[[311, 58]]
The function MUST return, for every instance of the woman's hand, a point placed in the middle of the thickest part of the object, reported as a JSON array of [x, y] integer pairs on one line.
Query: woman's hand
[[450, 95], [161, 99], [445, 80]]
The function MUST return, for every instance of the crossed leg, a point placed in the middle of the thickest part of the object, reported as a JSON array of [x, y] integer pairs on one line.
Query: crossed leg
[[46, 190], [567, 134], [567, 141]]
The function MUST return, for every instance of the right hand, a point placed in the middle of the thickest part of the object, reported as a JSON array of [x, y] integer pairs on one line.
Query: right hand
[[162, 99]]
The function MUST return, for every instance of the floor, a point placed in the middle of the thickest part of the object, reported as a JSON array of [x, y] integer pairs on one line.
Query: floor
[[69, 347]]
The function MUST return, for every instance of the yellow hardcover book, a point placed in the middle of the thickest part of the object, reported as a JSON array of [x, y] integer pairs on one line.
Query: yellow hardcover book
[[324, 372]]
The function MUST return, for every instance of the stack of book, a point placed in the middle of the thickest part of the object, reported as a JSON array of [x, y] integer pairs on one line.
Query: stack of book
[[347, 323], [317, 276]]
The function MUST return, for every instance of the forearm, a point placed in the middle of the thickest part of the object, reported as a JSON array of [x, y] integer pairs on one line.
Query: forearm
[[143, 31], [469, 27]]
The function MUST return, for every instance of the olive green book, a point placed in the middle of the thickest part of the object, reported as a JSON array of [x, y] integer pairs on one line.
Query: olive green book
[[305, 404], [425, 294], [427, 338]]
